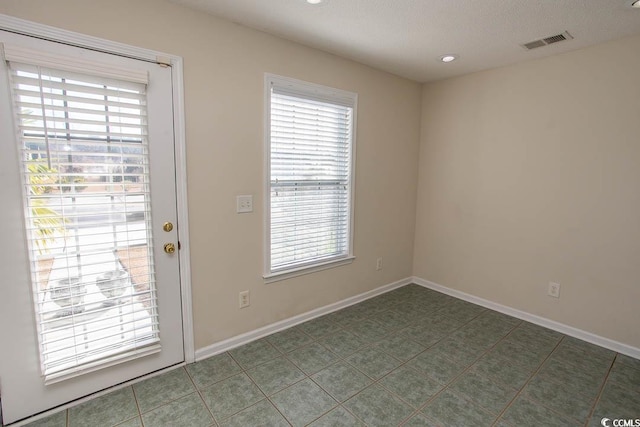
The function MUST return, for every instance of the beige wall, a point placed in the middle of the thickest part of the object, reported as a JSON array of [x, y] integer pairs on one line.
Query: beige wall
[[531, 174], [224, 68]]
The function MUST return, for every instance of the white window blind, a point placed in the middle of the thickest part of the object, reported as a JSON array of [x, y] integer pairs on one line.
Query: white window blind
[[310, 175], [84, 153]]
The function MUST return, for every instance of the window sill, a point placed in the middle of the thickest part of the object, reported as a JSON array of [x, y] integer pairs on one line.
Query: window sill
[[283, 275]]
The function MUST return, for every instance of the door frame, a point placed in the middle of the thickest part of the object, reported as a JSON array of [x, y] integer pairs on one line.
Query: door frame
[[28, 28]]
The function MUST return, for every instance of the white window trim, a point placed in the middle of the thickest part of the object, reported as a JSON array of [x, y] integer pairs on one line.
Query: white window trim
[[28, 28], [334, 95]]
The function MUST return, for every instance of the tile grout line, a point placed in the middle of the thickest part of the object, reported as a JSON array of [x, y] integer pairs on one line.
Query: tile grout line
[[352, 414], [244, 371], [601, 390], [580, 393], [266, 396], [135, 398], [453, 380], [544, 405], [616, 382], [309, 377], [529, 378], [199, 395], [167, 402]]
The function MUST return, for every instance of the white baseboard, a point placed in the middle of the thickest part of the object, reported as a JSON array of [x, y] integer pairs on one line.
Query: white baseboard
[[550, 324], [238, 340], [233, 342]]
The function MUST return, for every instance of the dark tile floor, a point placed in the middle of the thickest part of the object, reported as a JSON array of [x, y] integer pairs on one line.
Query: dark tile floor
[[411, 357]]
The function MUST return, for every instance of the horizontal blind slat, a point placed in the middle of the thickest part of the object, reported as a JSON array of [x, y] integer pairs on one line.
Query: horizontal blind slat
[[308, 261], [125, 328], [311, 239], [33, 83], [93, 328], [111, 113], [77, 102]]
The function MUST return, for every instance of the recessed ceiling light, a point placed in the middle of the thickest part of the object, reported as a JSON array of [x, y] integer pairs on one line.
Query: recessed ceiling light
[[450, 58], [636, 4], [314, 1]]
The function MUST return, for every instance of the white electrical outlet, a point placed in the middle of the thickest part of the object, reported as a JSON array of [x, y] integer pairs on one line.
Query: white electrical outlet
[[554, 290], [379, 264], [244, 204], [244, 299]]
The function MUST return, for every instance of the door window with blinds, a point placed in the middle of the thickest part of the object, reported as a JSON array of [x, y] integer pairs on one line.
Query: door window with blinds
[[82, 139], [310, 151]]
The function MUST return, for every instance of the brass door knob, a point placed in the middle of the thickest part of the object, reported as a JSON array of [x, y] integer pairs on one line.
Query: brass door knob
[[169, 248]]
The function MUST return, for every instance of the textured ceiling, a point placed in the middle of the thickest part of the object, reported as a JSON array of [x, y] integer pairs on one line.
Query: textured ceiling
[[407, 37]]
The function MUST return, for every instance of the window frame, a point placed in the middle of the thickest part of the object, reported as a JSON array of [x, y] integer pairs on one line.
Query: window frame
[[315, 92]]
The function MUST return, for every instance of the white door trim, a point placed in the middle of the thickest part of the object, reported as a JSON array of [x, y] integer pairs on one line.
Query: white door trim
[[28, 28]]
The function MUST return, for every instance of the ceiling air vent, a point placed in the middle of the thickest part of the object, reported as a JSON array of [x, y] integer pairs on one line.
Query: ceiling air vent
[[547, 40]]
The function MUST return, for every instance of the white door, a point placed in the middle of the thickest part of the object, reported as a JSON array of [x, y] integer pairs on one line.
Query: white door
[[90, 291]]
